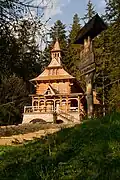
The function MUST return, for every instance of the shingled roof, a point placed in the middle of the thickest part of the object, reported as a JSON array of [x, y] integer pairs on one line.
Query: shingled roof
[[56, 46], [93, 28], [54, 65]]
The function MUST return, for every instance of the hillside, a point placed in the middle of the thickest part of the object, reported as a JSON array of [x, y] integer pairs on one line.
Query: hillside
[[90, 151]]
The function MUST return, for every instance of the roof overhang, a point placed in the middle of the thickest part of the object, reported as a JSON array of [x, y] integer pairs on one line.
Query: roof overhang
[[59, 95], [92, 29], [52, 78]]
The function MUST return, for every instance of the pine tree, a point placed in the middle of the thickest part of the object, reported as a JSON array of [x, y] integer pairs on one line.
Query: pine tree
[[19, 53], [14, 96], [102, 60], [28, 55], [113, 17], [45, 57], [90, 11], [58, 31], [112, 10], [107, 53], [8, 51], [75, 28], [73, 54]]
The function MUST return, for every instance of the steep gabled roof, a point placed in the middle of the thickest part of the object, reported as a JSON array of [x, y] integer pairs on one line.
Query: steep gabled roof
[[56, 46], [54, 66], [93, 28]]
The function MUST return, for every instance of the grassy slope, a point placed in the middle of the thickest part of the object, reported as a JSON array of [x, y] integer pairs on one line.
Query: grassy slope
[[90, 151]]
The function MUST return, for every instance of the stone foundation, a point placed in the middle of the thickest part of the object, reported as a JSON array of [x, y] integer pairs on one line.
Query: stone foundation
[[48, 117], [27, 117]]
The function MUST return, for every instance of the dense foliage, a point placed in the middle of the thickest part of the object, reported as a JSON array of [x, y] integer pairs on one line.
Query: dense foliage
[[107, 52], [19, 60], [87, 151]]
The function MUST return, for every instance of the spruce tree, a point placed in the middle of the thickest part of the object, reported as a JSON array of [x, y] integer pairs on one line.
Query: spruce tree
[[107, 53], [73, 54], [112, 10], [90, 11], [113, 17], [58, 31], [75, 28], [28, 54], [14, 96]]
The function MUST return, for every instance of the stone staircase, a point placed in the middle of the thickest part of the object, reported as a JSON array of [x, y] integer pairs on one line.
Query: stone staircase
[[68, 117]]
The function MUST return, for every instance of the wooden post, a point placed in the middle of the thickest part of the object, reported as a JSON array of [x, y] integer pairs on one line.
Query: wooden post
[[67, 103], [89, 73], [38, 103], [54, 105], [60, 101], [79, 108], [87, 61], [45, 108], [54, 117], [89, 94], [32, 103]]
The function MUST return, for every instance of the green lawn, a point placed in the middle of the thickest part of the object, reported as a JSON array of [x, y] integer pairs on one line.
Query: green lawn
[[90, 151]]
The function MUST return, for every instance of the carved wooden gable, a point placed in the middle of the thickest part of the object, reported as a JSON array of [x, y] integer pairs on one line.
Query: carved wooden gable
[[49, 91]]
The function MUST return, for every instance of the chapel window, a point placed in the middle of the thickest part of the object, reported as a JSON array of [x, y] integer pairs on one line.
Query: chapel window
[[48, 92], [54, 70]]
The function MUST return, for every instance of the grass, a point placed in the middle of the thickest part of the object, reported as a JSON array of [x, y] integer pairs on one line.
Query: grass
[[90, 151]]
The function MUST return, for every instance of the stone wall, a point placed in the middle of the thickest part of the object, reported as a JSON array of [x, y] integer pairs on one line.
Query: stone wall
[[48, 117], [27, 117]]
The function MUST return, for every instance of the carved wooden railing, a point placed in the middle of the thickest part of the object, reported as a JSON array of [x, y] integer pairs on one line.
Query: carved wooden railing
[[31, 109], [62, 113]]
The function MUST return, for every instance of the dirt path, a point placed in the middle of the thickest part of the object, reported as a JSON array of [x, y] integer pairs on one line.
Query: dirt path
[[18, 139]]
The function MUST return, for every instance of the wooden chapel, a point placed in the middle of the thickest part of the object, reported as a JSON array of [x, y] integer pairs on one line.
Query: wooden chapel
[[56, 91]]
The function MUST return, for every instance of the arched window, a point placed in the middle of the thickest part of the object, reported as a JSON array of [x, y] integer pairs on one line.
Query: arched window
[[41, 103], [35, 103], [48, 92]]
